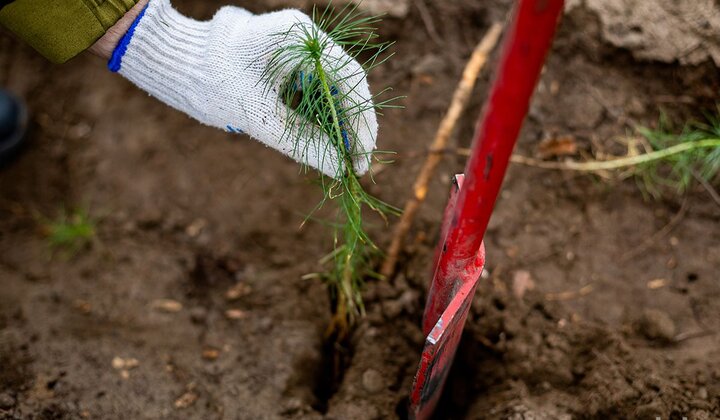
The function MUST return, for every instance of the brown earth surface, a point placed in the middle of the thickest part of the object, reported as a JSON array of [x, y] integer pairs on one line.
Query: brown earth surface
[[585, 312]]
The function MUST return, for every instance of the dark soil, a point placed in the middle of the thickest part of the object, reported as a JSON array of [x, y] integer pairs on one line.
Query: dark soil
[[615, 325]]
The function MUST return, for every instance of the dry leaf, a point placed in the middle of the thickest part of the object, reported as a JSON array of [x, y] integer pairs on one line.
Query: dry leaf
[[570, 295], [83, 306], [210, 354], [557, 146]]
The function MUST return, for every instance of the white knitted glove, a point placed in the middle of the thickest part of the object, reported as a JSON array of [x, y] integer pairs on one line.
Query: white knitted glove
[[214, 72]]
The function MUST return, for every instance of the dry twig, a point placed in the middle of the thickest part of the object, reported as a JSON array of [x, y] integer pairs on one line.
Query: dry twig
[[460, 100], [570, 295], [692, 335], [428, 21], [709, 188], [647, 243]]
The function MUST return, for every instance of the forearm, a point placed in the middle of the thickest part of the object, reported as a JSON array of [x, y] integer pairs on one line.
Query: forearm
[[105, 46]]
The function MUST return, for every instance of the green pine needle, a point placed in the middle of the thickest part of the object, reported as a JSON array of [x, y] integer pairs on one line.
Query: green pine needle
[[320, 98]]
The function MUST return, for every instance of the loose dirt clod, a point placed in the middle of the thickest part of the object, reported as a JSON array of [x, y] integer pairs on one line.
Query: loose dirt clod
[[6, 401], [657, 325]]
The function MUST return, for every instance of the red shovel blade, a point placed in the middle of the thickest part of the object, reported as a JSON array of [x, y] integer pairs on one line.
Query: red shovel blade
[[439, 352], [449, 300]]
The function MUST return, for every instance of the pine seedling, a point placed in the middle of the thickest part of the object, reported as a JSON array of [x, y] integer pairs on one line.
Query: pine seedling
[[698, 157], [319, 93], [70, 232], [670, 161]]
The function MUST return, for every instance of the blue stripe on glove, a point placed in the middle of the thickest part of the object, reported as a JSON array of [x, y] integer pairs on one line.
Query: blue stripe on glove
[[116, 59]]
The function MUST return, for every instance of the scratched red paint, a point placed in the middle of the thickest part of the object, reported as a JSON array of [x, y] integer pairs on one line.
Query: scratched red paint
[[460, 256]]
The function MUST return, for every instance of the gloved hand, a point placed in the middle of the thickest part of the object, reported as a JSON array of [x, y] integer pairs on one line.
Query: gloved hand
[[215, 72]]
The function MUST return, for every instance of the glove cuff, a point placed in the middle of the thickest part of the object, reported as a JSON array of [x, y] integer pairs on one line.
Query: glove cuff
[[162, 53]]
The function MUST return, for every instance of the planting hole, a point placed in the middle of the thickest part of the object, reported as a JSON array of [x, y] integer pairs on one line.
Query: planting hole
[[336, 357], [401, 409]]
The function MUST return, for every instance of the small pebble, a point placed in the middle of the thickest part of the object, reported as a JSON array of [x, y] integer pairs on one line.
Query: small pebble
[[657, 284], [194, 228], [291, 405], [702, 393], [119, 363], [522, 282], [372, 381], [657, 325], [236, 292]]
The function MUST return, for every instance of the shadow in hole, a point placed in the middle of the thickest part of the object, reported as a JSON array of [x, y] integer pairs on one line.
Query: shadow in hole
[[469, 377], [337, 355]]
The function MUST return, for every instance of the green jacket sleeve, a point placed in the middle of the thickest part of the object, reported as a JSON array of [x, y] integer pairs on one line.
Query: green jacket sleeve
[[61, 29]]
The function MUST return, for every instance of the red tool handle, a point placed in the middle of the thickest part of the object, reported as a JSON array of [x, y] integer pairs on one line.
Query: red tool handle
[[526, 44]]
